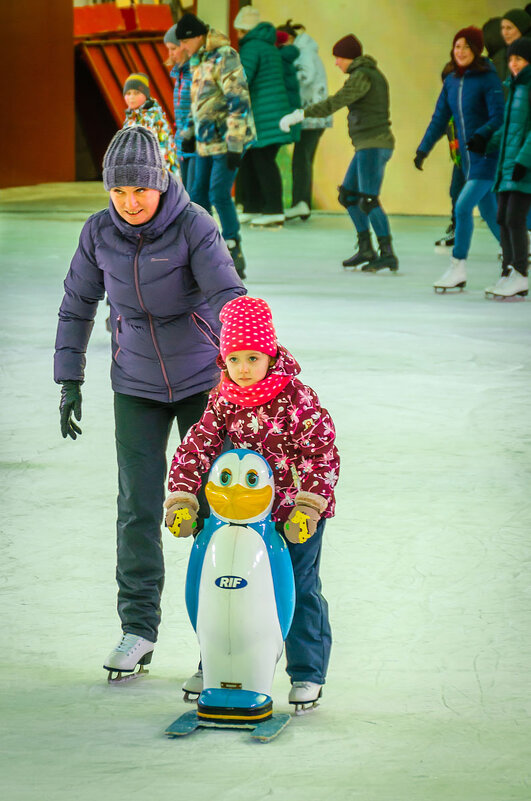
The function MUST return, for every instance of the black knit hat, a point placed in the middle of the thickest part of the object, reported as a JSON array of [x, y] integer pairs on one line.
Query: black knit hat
[[134, 158], [190, 26], [520, 18], [348, 47], [138, 81], [520, 47]]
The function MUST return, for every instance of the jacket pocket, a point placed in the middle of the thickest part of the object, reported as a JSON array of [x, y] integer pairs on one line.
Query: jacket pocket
[[205, 329]]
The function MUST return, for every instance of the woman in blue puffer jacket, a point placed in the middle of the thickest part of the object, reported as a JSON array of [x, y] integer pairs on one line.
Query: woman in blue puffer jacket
[[167, 274], [472, 94]]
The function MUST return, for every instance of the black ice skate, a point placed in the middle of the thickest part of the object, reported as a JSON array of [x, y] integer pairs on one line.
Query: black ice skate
[[237, 256], [387, 259], [365, 253], [447, 241]]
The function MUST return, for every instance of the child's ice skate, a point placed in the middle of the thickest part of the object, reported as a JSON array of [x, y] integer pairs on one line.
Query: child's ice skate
[[304, 695], [132, 651], [193, 687]]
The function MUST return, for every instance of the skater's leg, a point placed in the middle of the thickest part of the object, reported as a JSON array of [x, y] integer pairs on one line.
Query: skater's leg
[[269, 178], [488, 209], [310, 638], [199, 187], [249, 189], [505, 235], [142, 430], [456, 184], [469, 197], [302, 165], [517, 210], [221, 183], [349, 196], [371, 169], [188, 411]]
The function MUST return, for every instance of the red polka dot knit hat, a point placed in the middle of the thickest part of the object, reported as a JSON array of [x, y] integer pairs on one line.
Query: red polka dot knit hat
[[247, 324]]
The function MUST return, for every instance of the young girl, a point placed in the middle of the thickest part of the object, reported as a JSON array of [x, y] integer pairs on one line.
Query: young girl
[[261, 404], [513, 174]]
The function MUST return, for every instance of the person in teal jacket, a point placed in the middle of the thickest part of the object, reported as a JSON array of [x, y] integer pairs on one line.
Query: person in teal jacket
[[512, 181], [260, 180]]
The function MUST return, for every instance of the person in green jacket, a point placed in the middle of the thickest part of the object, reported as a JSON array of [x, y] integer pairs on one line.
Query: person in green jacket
[[513, 173], [514, 24], [260, 183], [366, 94]]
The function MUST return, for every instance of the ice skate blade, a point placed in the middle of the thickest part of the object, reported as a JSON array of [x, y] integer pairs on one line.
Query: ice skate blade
[[440, 290], [517, 297], [122, 677], [190, 698], [305, 708], [368, 268], [269, 226]]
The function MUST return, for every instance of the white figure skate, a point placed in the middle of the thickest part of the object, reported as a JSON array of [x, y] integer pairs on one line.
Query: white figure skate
[[514, 285], [193, 687], [453, 278], [304, 695], [132, 651]]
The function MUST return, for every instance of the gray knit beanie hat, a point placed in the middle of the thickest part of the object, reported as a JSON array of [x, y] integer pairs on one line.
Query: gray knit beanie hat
[[170, 37], [133, 158]]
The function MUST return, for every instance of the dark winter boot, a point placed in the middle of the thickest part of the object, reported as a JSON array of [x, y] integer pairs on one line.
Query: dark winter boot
[[386, 259], [365, 252], [237, 256]]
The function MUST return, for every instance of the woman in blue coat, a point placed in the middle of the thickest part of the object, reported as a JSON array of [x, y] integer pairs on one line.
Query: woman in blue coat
[[167, 274], [472, 94]]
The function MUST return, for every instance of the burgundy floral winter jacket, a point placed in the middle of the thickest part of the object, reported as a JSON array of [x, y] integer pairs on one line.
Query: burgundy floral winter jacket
[[292, 431]]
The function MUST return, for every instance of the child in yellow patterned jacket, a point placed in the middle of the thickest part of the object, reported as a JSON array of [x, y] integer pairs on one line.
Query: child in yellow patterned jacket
[[144, 110]]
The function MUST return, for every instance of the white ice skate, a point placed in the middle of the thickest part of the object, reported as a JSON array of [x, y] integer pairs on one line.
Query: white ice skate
[[514, 285], [268, 221], [193, 687], [300, 209], [304, 695], [453, 278], [491, 290], [132, 651], [245, 216]]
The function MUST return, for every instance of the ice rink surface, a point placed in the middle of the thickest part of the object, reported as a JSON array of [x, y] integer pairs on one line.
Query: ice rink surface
[[426, 566]]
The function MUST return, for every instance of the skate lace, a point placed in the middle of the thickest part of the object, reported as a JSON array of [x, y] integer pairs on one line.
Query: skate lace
[[128, 642]]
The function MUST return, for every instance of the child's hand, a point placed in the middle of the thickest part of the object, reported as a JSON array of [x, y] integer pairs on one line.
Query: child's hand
[[304, 517], [181, 513]]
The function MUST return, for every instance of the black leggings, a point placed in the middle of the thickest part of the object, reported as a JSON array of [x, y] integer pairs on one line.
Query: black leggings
[[260, 184], [512, 218]]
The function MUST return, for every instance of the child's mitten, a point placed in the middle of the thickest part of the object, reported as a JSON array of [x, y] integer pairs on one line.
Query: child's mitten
[[181, 513], [304, 517]]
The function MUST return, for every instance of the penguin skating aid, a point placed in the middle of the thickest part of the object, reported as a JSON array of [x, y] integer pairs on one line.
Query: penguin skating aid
[[240, 596]]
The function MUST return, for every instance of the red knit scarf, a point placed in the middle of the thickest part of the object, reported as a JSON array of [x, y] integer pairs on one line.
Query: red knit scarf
[[262, 392]]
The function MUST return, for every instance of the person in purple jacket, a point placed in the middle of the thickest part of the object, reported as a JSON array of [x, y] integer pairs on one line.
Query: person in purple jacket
[[167, 273]]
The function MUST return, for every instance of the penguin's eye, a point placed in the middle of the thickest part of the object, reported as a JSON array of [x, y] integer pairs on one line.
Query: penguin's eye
[[225, 478], [251, 478]]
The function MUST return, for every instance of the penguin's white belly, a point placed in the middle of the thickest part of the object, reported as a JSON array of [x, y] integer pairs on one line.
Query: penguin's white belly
[[237, 620]]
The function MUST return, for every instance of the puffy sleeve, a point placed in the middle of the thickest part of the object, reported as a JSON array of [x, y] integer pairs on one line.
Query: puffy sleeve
[[201, 445], [84, 288]]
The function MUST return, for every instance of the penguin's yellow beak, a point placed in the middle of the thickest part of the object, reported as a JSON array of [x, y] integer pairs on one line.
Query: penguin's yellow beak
[[237, 502]]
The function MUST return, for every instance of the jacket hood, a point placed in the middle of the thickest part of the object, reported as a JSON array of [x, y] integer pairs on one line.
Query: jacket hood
[[215, 39], [264, 31], [492, 37], [172, 202], [362, 61], [289, 53], [285, 363], [304, 40]]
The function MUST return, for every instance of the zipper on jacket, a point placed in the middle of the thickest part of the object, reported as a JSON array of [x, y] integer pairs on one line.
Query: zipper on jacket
[[215, 341], [460, 104], [150, 318], [118, 331]]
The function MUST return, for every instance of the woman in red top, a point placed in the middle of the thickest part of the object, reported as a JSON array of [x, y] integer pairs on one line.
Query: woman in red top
[[261, 405]]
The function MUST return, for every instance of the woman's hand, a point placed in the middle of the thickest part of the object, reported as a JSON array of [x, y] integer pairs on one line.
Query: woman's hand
[[69, 404], [419, 159]]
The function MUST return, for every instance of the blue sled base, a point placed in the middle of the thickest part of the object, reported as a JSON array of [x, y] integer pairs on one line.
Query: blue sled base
[[263, 732]]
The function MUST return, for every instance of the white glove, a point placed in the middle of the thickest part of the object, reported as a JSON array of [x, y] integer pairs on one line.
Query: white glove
[[291, 119]]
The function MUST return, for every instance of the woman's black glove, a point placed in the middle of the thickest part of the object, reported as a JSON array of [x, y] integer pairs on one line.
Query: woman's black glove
[[419, 159], [70, 402], [233, 160], [188, 145], [477, 144], [518, 171]]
